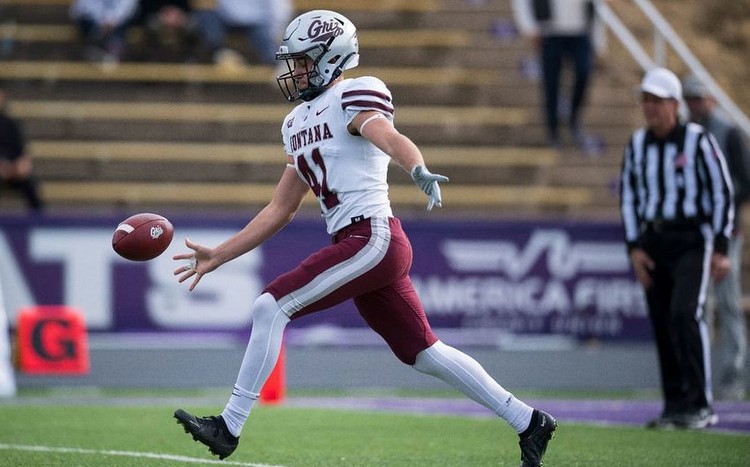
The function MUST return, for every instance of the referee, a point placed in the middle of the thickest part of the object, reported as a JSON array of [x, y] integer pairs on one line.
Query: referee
[[677, 210]]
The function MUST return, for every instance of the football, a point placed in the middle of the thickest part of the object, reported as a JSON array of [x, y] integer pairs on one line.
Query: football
[[142, 237]]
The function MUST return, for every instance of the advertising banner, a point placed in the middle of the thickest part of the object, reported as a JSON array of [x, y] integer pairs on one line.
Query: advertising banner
[[483, 279]]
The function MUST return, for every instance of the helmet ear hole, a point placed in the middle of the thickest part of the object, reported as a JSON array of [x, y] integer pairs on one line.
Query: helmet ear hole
[[334, 59], [316, 80]]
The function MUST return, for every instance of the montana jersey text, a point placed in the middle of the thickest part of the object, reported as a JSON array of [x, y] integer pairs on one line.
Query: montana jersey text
[[347, 173]]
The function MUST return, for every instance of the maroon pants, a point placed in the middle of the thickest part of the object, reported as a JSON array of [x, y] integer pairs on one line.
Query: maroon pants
[[368, 262]]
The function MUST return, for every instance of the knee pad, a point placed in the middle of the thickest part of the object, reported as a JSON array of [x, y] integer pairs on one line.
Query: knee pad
[[265, 310], [427, 360]]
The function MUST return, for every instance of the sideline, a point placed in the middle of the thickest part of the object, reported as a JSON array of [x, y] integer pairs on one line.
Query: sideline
[[143, 455], [734, 417]]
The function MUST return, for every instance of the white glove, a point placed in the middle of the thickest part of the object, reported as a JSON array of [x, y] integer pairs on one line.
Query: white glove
[[428, 182]]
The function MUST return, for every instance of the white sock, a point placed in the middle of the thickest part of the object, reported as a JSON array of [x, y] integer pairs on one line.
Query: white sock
[[260, 358], [237, 410], [467, 375]]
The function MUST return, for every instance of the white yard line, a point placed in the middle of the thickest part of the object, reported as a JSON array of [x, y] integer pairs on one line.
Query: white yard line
[[142, 455]]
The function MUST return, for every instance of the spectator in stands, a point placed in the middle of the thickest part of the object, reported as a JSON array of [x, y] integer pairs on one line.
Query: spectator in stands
[[732, 346], [168, 27], [258, 20], [103, 25], [15, 162], [561, 30]]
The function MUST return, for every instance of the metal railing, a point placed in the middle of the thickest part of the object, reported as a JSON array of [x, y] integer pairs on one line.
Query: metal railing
[[663, 33]]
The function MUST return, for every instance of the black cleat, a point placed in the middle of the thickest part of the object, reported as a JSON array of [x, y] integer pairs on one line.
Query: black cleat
[[534, 444], [211, 431]]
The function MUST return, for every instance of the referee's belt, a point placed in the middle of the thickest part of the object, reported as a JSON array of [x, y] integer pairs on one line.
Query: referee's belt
[[661, 225]]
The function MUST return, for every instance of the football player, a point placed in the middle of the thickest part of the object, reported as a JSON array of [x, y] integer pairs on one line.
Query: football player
[[339, 141]]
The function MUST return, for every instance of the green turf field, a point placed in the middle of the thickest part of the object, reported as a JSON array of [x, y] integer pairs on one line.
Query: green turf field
[[53, 434]]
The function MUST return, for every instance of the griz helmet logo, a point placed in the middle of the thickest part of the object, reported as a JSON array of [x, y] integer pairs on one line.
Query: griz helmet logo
[[320, 31]]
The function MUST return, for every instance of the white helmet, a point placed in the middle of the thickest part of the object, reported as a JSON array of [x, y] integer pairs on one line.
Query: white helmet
[[326, 37]]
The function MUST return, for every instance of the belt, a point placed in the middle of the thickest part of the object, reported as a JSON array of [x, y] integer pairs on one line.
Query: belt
[[661, 225], [341, 233]]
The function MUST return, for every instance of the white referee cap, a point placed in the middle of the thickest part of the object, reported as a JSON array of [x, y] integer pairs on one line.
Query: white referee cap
[[662, 83]]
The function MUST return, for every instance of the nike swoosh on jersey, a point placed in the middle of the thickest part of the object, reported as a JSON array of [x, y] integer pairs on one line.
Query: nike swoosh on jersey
[[321, 110]]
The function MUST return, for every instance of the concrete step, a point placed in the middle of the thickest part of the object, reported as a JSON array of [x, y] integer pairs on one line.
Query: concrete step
[[457, 198], [84, 119], [418, 47], [531, 134], [135, 160], [80, 111], [365, 14], [515, 91], [55, 71]]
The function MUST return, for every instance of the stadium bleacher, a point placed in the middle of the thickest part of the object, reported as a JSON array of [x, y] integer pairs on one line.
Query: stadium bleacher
[[144, 135]]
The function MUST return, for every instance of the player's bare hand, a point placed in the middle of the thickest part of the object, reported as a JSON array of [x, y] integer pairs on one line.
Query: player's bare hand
[[642, 266], [720, 266], [196, 263]]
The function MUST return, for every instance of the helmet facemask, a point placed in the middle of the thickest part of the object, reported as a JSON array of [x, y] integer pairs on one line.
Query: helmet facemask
[[315, 81]]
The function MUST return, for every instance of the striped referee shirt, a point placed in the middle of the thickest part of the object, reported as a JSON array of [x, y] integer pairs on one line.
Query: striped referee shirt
[[682, 178]]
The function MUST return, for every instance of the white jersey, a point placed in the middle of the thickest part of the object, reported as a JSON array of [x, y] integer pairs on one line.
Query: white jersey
[[347, 173]]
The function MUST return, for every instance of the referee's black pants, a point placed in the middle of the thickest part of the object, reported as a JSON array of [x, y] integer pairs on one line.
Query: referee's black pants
[[676, 303]]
